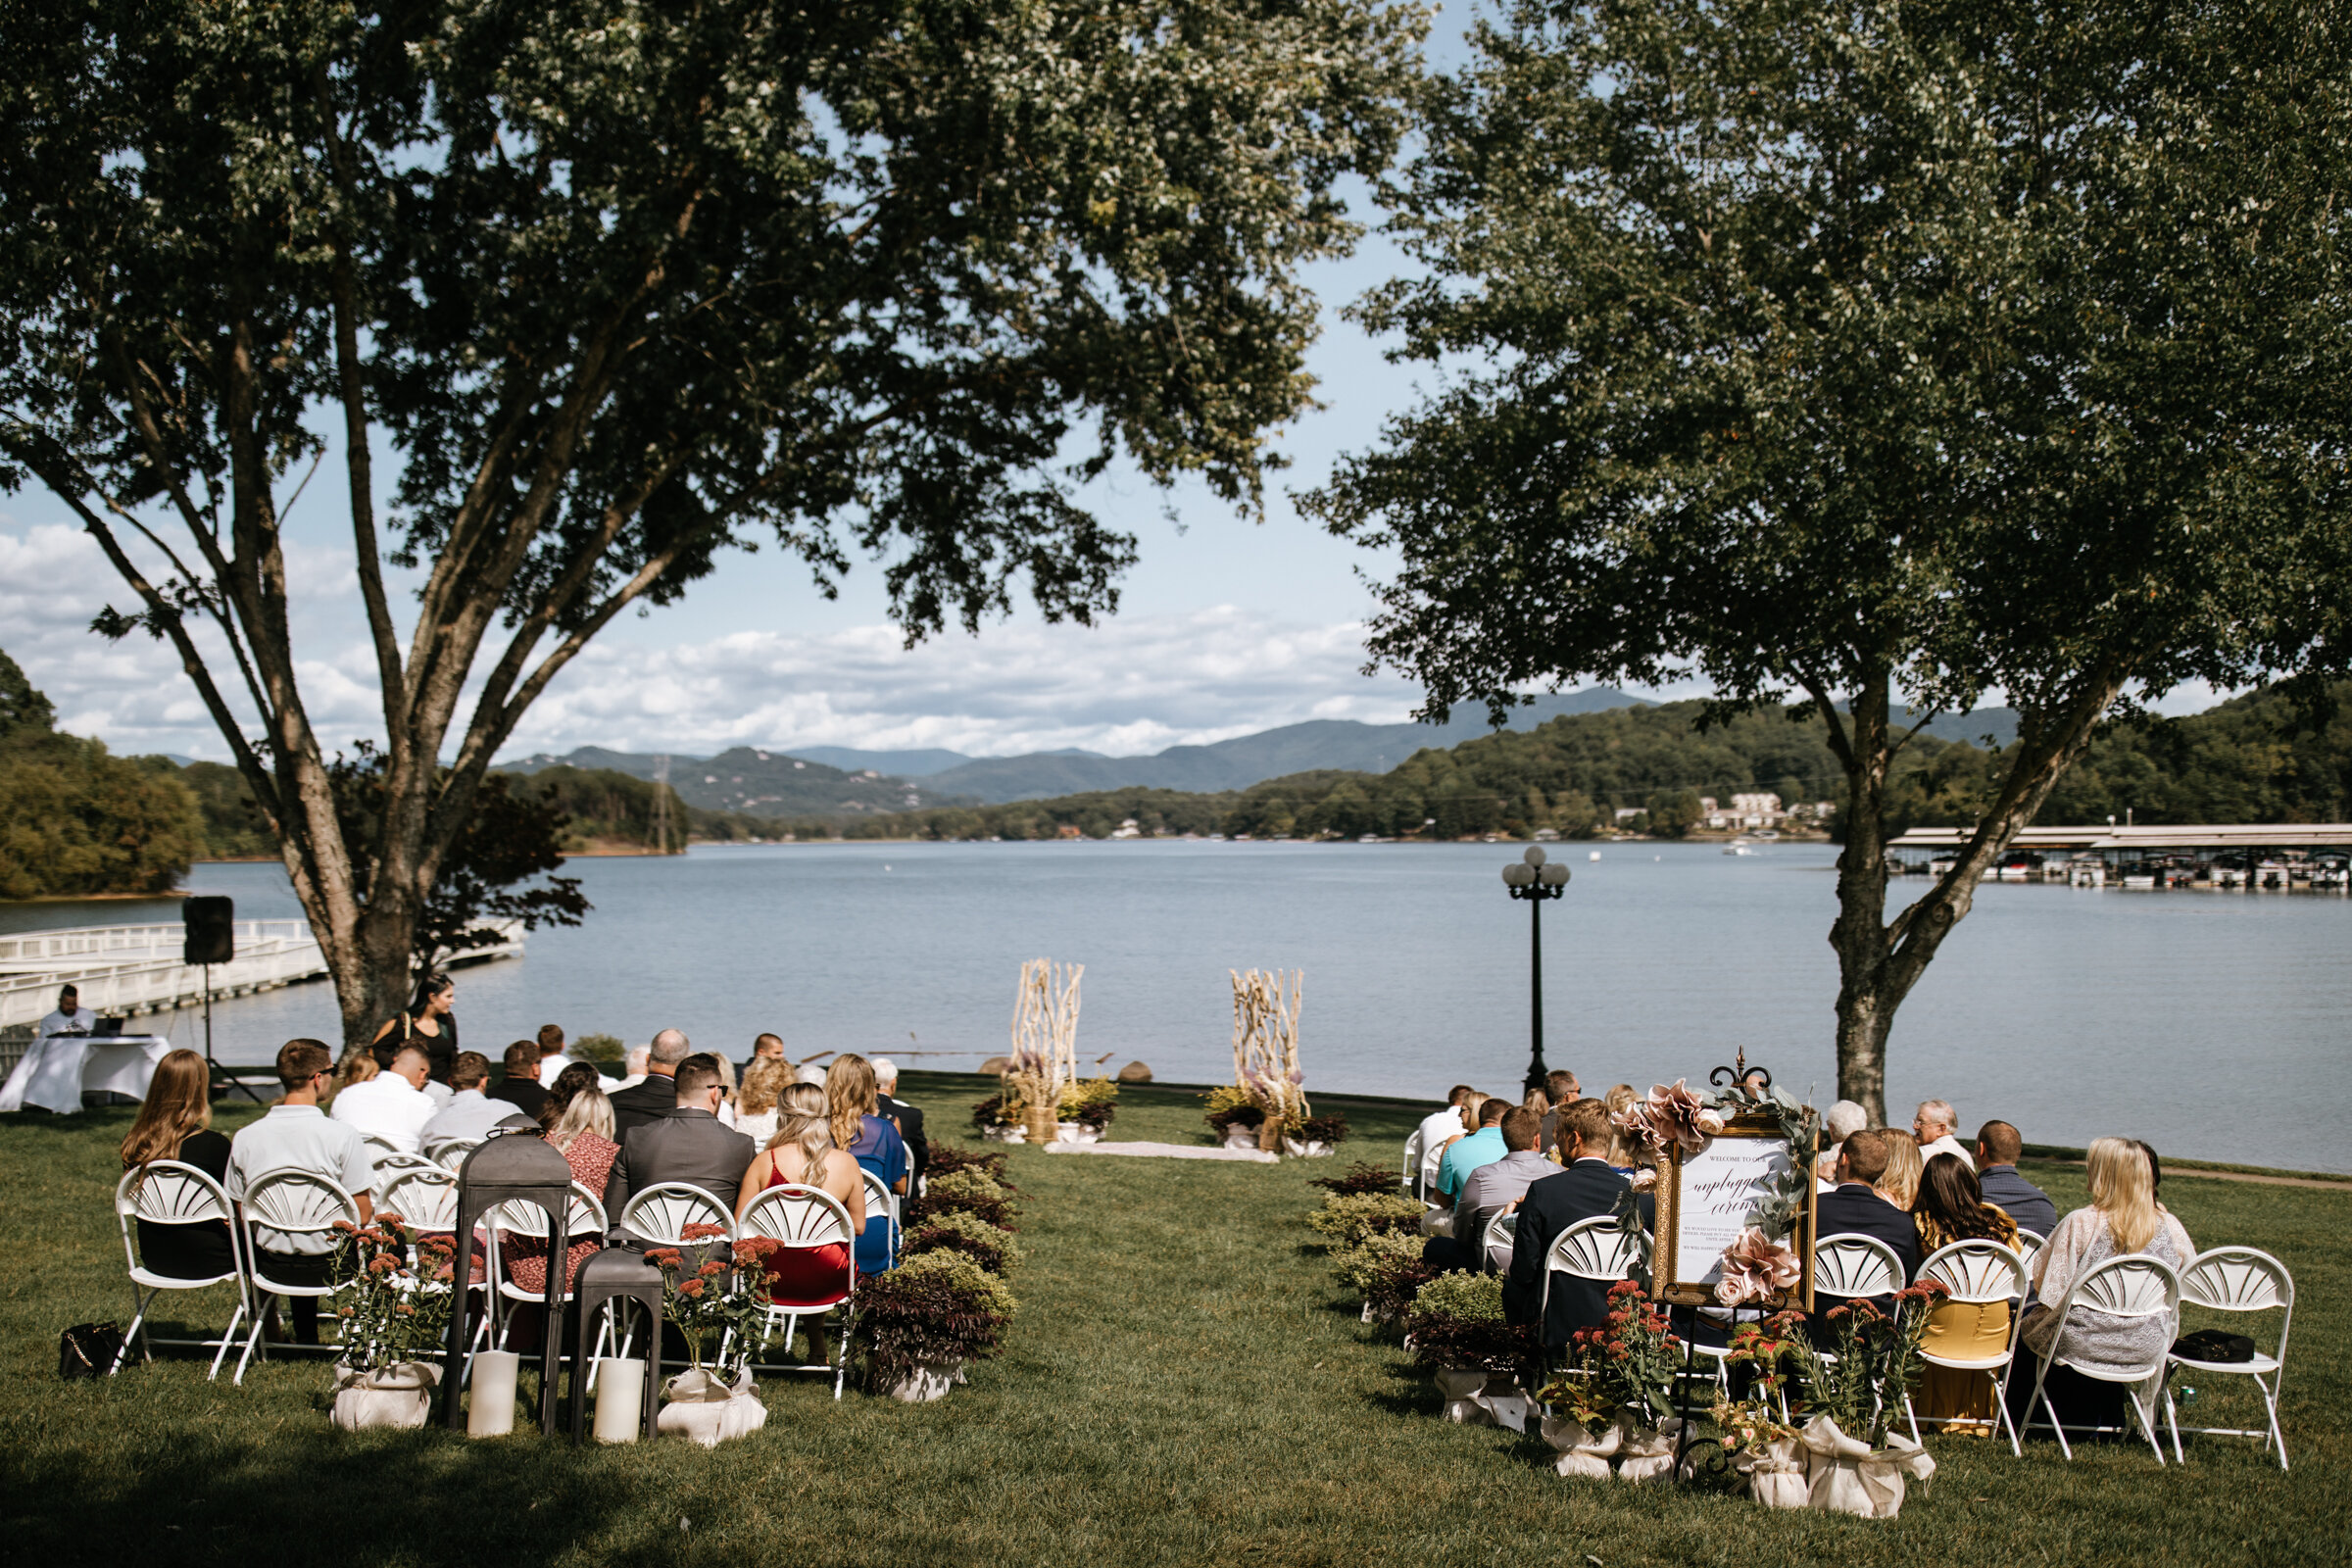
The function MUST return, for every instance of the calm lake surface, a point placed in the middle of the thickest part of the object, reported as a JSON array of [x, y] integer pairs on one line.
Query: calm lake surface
[[2214, 1025]]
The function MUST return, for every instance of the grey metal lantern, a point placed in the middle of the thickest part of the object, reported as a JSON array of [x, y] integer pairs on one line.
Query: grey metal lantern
[[512, 1166]]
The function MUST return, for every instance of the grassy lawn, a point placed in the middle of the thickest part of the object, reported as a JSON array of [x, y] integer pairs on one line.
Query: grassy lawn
[[1185, 1384]]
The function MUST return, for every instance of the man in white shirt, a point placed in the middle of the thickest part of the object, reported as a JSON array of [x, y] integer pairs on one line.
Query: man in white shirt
[[638, 1061], [294, 1134], [392, 1106], [1439, 1128], [1839, 1122], [70, 1016], [470, 1113], [554, 1058], [1932, 1126]]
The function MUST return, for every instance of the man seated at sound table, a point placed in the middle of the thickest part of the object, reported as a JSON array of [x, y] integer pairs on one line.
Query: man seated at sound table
[[1465, 1154], [1492, 1188]]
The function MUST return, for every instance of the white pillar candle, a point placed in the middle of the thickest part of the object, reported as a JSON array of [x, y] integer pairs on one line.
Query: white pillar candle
[[619, 1399], [491, 1412]]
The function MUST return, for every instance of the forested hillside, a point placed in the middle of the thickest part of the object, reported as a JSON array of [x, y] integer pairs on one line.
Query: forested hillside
[[74, 819]]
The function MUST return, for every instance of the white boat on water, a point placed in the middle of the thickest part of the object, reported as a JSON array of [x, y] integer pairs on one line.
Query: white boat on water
[[1739, 846]]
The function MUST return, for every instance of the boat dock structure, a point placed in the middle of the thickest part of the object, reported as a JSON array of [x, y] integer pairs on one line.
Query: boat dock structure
[[125, 970], [2238, 857]]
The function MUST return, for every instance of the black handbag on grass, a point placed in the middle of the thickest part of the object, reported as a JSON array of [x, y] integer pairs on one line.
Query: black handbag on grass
[[88, 1350]]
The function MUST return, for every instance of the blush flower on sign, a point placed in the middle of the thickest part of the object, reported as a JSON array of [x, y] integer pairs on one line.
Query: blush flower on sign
[[1754, 1267], [1671, 1117]]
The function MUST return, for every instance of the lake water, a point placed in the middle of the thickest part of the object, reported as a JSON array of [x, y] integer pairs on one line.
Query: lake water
[[2214, 1025]]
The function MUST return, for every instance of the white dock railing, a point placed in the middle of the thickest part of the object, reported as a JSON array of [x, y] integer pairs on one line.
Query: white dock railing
[[124, 971]]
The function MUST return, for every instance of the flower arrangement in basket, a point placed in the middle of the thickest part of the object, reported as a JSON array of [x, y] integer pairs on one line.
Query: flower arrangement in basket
[[1456, 1331], [1091, 1102], [1317, 1134], [997, 1117], [1044, 1059], [720, 1303], [922, 1322], [395, 1291], [1766, 1457], [1612, 1399], [1230, 1106]]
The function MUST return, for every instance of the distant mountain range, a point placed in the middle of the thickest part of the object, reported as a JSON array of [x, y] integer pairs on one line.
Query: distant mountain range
[[775, 781]]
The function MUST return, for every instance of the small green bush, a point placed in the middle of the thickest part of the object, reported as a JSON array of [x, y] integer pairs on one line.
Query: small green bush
[[984, 1243], [1346, 1218]]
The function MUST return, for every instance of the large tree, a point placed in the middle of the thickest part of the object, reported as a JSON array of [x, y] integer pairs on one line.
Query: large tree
[[613, 287], [1832, 353]]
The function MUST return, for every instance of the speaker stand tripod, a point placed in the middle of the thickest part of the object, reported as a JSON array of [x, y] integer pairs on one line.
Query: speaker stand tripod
[[212, 1069]]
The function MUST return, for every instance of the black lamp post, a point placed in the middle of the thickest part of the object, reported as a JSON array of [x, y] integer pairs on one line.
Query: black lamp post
[[1533, 878]]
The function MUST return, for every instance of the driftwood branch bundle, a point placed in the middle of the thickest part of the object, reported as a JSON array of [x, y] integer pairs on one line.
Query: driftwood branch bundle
[[1045, 1039], [1266, 1045]]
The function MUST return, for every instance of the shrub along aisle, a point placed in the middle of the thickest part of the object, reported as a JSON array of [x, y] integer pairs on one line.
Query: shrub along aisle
[[1187, 1382]]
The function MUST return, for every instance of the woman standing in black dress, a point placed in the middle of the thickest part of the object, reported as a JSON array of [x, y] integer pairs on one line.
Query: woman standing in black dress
[[177, 1123], [426, 1023]]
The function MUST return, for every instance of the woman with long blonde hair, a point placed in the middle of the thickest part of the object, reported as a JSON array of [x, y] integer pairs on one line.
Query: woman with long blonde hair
[[2124, 1219], [358, 1064], [175, 1122], [763, 1084], [802, 1153], [1898, 1184], [853, 1114], [581, 1131]]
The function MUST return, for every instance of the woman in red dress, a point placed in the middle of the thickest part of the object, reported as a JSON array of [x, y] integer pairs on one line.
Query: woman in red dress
[[802, 1154]]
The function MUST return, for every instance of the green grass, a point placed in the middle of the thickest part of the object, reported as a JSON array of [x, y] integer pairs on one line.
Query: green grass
[[1184, 1385]]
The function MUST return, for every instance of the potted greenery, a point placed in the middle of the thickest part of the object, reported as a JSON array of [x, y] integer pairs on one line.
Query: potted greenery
[[993, 1248], [1854, 1463], [1765, 1451], [1362, 1177], [1315, 1136], [716, 1305], [971, 1191], [1346, 1218], [922, 1322], [998, 1118], [1087, 1106], [1457, 1333], [394, 1315], [1234, 1116], [1612, 1399], [1386, 1269]]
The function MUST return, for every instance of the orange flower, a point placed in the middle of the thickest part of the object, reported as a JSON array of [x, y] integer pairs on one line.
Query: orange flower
[[690, 1289]]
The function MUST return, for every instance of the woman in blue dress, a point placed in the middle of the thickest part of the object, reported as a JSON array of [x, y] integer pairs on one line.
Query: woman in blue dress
[[874, 1141]]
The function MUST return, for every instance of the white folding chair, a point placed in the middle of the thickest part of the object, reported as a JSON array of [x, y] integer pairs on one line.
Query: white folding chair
[[583, 1220], [423, 1195], [880, 1199], [802, 1217], [449, 1152], [390, 1168], [1498, 1231], [1978, 1273], [1410, 1175], [2135, 1285], [288, 1202], [2237, 1279], [165, 1191], [661, 1213], [1594, 1249], [1851, 1267], [2029, 1248]]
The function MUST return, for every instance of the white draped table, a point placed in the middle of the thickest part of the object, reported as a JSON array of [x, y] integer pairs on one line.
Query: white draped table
[[58, 1071]]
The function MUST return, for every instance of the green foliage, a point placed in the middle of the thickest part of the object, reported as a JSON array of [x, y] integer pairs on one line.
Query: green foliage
[[969, 1190], [1346, 1218], [75, 820], [600, 805], [394, 1305], [1364, 1176], [604, 1050], [938, 1306], [1386, 1269], [994, 1250], [22, 706], [1456, 1322], [235, 827]]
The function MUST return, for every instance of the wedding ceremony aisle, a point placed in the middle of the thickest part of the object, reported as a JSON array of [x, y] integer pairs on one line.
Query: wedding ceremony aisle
[[1185, 1384]]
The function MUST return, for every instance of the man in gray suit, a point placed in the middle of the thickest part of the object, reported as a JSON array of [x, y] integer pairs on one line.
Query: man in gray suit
[[688, 1145]]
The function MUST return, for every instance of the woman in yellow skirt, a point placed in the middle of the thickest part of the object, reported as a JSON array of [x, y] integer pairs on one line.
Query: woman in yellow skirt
[[1950, 1207]]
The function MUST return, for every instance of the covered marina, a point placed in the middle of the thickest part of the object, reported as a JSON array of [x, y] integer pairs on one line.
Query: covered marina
[[2238, 857]]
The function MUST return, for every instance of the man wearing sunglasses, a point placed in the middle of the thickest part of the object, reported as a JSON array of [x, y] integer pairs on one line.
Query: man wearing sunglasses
[[294, 1134]]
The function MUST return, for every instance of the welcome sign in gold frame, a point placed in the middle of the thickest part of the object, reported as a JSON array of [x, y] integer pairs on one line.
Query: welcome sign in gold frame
[[1702, 1201]]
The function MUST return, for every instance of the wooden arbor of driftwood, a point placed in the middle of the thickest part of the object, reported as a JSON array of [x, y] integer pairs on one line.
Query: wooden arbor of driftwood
[[1044, 1044], [1265, 1048]]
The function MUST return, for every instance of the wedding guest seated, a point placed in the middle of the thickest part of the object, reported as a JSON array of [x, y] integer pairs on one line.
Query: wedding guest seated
[[852, 1102], [1856, 1207], [689, 1144], [1931, 1124], [755, 1109], [522, 1088], [634, 1064], [1490, 1190], [1839, 1123], [1951, 1207], [765, 1047], [569, 1084], [905, 1117], [1587, 1189], [1481, 1148], [470, 1115], [802, 1153], [1899, 1183], [1439, 1128], [1998, 1146], [175, 1122], [358, 1067], [294, 1134], [552, 1057], [392, 1106], [2124, 1217], [1560, 1091], [654, 1096], [1626, 1156]]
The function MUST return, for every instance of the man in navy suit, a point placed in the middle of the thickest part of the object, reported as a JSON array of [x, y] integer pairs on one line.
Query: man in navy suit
[[1997, 1147], [1856, 1209], [1587, 1189]]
